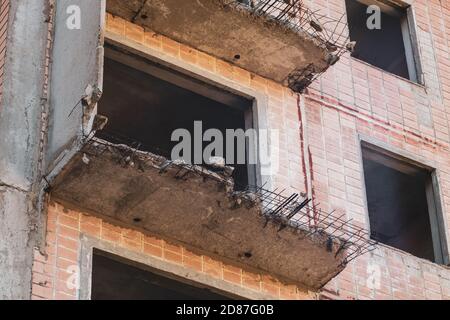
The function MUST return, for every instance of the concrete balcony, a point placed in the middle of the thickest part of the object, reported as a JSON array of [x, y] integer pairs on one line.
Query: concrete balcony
[[276, 39], [198, 209]]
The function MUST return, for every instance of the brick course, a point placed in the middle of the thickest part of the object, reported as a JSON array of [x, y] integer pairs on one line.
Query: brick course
[[52, 271]]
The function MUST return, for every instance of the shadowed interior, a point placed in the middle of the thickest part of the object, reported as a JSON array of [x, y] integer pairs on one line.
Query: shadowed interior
[[398, 208], [144, 111], [114, 279], [383, 48]]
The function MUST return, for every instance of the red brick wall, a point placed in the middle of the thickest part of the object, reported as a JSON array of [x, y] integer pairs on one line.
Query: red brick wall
[[52, 271], [354, 98], [351, 99], [4, 11]]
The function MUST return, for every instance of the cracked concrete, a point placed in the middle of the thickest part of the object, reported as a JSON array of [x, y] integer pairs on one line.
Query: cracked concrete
[[20, 133], [198, 211], [16, 188], [256, 44]]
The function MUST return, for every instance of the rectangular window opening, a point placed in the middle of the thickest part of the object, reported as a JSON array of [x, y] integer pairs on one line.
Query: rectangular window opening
[[402, 204], [115, 278], [146, 102], [389, 43]]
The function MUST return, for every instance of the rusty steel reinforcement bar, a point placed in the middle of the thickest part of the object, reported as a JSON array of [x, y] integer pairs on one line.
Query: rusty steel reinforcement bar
[[329, 32]]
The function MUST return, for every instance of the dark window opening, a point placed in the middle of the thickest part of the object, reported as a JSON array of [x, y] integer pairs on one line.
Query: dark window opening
[[114, 278], [388, 48], [145, 103], [401, 203]]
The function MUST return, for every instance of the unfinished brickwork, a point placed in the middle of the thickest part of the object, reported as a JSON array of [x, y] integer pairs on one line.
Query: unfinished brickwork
[[52, 273], [320, 154], [4, 15], [357, 100]]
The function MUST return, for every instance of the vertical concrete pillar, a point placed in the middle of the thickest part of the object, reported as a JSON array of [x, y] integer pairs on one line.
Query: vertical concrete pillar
[[20, 136]]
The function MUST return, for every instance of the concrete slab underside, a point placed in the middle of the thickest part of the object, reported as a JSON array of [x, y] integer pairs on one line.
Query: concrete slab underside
[[264, 47], [196, 212]]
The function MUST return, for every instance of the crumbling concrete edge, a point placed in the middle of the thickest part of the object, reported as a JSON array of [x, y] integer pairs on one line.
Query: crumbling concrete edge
[[88, 244], [245, 199]]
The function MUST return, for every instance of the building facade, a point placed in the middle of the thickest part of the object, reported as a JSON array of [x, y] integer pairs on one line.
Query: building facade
[[366, 143]]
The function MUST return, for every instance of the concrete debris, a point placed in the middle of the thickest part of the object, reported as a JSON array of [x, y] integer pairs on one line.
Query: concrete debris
[[217, 164], [100, 122], [86, 159], [351, 46]]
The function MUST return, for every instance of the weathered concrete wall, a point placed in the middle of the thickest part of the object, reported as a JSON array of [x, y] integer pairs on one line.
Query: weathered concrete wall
[[20, 136], [21, 102], [77, 65], [15, 248]]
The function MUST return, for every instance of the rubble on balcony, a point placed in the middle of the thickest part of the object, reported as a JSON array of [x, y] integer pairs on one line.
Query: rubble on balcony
[[281, 40], [199, 209]]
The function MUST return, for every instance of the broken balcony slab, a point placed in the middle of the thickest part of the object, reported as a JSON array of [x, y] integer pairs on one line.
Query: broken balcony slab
[[256, 42], [196, 208]]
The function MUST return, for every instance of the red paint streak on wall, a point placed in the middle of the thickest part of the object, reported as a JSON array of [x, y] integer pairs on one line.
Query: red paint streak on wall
[[313, 191], [310, 166], [302, 143]]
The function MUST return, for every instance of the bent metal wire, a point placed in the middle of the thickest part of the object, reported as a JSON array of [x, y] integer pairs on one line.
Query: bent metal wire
[[299, 212], [330, 32]]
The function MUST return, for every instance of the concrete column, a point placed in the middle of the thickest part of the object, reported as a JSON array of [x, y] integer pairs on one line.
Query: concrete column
[[20, 135]]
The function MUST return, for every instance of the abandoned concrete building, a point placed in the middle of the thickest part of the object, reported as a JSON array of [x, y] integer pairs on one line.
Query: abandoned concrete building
[[353, 204]]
